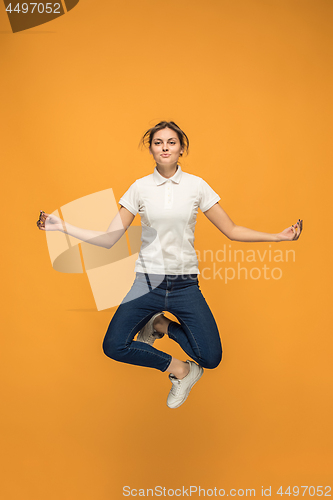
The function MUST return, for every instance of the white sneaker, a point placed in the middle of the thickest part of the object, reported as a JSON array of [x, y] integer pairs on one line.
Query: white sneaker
[[148, 334], [181, 387]]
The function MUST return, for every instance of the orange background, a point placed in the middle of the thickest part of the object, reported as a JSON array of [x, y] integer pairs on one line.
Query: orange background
[[250, 82]]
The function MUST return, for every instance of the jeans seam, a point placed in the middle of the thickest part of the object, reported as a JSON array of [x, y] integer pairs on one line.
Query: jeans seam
[[144, 350], [158, 355], [192, 338]]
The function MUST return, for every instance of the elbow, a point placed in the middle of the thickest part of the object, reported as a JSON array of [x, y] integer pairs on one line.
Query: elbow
[[228, 234], [106, 244], [112, 237], [231, 233]]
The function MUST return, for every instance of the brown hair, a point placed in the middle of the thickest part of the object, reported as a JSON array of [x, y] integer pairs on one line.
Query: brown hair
[[183, 139]]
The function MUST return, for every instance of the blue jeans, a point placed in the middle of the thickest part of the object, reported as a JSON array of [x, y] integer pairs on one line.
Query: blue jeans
[[197, 334]]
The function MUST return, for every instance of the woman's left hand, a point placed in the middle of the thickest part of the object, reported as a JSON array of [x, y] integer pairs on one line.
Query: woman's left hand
[[292, 233]]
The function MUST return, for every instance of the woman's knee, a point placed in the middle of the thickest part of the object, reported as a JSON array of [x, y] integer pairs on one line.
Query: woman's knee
[[113, 350], [212, 361]]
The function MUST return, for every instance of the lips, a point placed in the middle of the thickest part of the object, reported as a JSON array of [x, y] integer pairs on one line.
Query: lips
[[165, 155]]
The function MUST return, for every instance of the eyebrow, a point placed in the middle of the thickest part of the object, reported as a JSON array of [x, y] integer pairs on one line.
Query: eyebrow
[[158, 139]]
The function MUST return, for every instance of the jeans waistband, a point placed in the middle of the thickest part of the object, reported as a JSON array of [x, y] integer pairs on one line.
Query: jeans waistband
[[167, 281]]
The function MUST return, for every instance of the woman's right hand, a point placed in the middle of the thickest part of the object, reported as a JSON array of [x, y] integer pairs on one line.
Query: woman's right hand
[[49, 222]]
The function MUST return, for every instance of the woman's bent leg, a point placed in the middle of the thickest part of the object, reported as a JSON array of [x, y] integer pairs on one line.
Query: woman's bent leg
[[132, 314], [197, 334]]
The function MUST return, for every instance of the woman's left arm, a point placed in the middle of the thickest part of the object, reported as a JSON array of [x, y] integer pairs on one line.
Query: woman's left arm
[[222, 221]]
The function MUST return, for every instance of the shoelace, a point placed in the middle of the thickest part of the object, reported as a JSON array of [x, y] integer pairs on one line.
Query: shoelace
[[151, 339], [154, 336], [176, 386]]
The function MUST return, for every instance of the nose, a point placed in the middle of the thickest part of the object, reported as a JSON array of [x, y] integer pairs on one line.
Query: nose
[[165, 147]]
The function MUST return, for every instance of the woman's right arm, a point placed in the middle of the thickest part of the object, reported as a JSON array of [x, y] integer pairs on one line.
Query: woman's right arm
[[107, 239]]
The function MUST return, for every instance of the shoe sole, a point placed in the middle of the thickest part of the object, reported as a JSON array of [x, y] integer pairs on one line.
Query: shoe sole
[[188, 389]]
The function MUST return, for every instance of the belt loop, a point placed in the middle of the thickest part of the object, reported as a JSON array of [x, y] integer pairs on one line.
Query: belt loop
[[148, 282]]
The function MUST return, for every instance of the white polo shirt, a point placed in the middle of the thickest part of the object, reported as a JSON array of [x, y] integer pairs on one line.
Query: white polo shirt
[[168, 210]]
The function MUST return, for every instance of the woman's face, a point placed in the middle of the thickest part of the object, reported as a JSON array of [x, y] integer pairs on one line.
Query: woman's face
[[165, 147]]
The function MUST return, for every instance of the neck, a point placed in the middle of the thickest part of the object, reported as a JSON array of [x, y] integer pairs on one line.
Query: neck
[[167, 170]]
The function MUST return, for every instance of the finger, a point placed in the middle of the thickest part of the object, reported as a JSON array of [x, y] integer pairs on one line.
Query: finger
[[298, 232], [299, 229], [296, 229]]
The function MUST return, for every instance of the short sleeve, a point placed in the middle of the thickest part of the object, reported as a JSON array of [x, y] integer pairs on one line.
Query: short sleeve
[[207, 195], [130, 199]]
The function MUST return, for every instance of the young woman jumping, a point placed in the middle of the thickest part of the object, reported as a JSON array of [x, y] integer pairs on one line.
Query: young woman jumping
[[167, 267]]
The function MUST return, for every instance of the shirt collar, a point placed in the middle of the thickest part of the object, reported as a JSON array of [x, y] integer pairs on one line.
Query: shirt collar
[[159, 179]]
